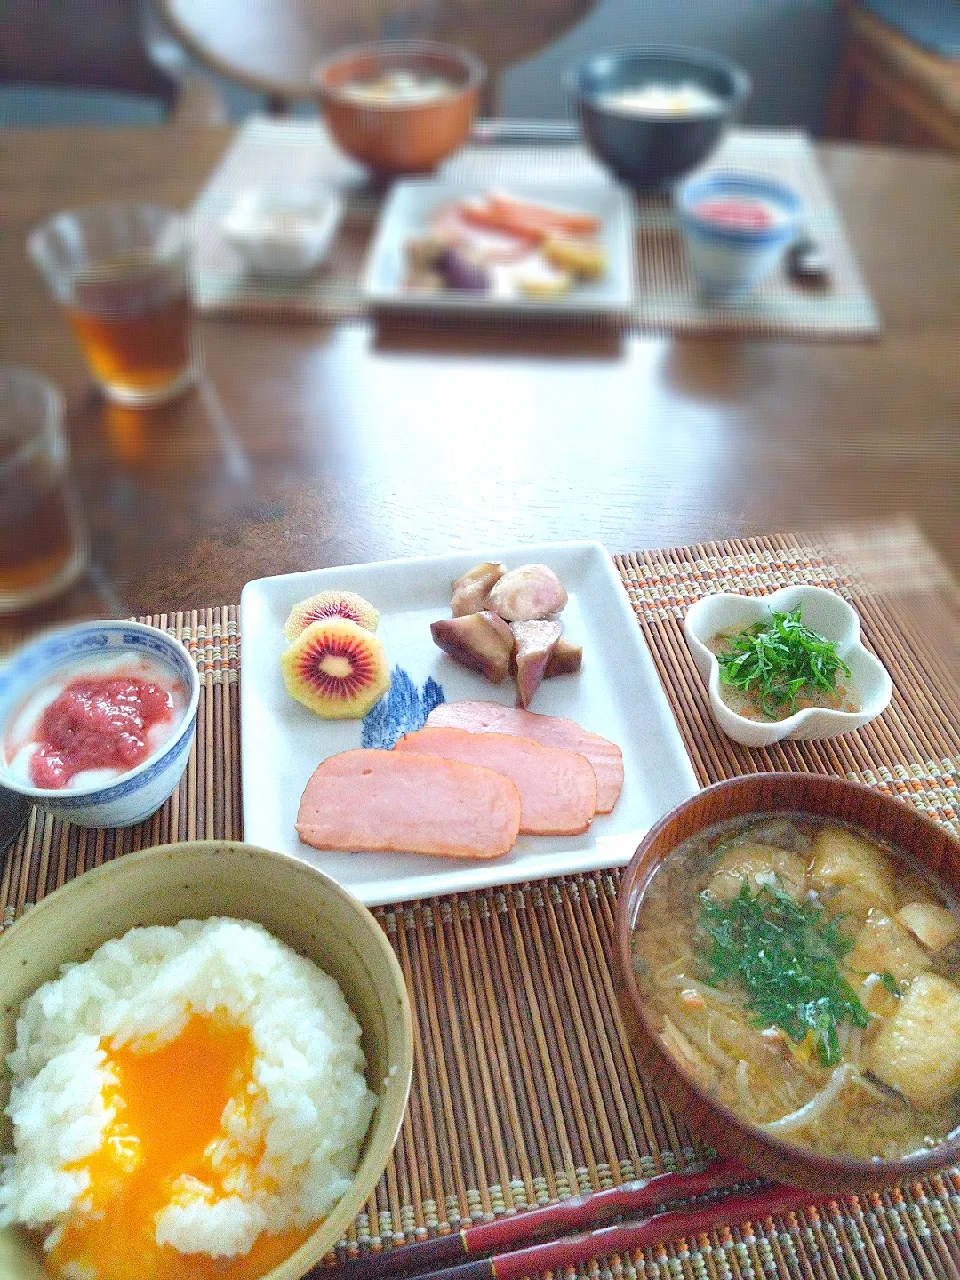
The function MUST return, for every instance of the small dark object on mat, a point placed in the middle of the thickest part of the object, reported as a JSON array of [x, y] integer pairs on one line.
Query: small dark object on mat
[[14, 811], [807, 263]]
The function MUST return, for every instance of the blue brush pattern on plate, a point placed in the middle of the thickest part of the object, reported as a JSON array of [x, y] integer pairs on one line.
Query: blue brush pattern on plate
[[403, 710]]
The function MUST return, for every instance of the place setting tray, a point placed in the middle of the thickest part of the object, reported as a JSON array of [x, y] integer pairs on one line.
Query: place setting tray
[[651, 290], [524, 1088]]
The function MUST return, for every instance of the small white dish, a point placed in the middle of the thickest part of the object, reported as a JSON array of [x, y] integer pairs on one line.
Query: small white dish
[[822, 611], [410, 208], [617, 694], [283, 233]]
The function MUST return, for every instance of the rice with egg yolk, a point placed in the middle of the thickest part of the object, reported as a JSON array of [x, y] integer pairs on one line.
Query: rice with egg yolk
[[203, 1014]]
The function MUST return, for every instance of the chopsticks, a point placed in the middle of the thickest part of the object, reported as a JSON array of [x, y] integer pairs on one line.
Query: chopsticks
[[541, 1235]]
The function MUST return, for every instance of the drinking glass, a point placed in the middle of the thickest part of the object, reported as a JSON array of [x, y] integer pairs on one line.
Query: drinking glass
[[121, 273], [42, 545]]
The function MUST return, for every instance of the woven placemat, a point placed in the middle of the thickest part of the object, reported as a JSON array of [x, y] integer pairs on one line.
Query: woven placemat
[[524, 1090], [273, 154]]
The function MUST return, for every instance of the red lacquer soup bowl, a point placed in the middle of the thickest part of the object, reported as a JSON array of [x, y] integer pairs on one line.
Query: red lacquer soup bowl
[[889, 822]]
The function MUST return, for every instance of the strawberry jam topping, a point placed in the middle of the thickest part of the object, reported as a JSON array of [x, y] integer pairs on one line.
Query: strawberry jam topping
[[97, 723], [737, 212]]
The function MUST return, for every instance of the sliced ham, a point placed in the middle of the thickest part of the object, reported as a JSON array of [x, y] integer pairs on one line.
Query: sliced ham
[[403, 802], [550, 731], [558, 789]]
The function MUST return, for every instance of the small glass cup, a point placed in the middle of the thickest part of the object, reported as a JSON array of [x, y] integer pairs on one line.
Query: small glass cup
[[42, 544], [121, 273]]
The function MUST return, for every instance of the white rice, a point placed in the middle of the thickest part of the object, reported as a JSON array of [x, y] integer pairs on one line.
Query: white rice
[[311, 1108]]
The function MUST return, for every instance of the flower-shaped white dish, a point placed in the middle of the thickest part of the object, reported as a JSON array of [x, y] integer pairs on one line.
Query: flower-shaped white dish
[[283, 233], [823, 611]]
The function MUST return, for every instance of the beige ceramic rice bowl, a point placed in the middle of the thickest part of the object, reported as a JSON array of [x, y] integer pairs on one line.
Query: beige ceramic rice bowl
[[295, 903]]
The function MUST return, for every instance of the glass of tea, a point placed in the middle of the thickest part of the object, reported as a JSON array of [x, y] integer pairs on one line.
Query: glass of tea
[[42, 544], [121, 272]]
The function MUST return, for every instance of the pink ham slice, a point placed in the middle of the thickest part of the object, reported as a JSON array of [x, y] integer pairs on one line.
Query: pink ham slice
[[550, 731], [402, 802], [558, 789]]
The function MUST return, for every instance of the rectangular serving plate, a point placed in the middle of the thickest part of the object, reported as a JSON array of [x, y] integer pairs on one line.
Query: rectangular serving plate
[[407, 213], [617, 694]]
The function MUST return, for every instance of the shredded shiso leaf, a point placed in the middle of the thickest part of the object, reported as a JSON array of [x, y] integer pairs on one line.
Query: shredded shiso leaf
[[785, 956], [776, 662]]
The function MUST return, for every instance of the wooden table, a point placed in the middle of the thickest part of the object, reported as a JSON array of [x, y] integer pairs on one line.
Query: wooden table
[[311, 445]]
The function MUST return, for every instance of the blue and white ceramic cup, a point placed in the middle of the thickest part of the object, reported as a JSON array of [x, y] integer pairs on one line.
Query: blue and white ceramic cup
[[134, 795], [729, 261]]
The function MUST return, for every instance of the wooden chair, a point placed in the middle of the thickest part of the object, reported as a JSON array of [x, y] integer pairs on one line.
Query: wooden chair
[[271, 46], [889, 90], [95, 44]]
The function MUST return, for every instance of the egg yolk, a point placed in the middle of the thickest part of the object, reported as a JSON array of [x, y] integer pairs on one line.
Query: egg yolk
[[169, 1102]]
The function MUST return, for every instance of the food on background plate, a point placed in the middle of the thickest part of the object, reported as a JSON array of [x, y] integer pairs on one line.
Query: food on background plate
[[336, 669], [188, 1102], [331, 604], [558, 788], [497, 244], [94, 722], [653, 99], [582, 259], [526, 219], [398, 87], [531, 646], [770, 670], [808, 979], [481, 641], [436, 262], [402, 802], [551, 731]]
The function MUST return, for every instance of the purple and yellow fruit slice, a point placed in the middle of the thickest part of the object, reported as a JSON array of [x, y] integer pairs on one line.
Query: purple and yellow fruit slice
[[336, 669], [331, 604]]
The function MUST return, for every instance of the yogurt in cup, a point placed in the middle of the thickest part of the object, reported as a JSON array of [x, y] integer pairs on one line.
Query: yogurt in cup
[[736, 228]]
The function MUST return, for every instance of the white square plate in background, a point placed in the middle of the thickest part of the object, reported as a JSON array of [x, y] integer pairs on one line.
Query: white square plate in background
[[617, 694], [407, 214]]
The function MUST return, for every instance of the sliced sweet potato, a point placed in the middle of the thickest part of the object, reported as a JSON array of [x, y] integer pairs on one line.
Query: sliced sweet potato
[[565, 660], [471, 589], [535, 643], [481, 641]]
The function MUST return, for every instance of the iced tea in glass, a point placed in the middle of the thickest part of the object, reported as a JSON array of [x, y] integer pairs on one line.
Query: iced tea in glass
[[121, 273], [42, 546]]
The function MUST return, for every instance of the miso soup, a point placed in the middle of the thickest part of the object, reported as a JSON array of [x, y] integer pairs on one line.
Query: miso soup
[[809, 980]]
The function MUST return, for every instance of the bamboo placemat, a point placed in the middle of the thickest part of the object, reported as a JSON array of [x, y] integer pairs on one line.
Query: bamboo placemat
[[524, 1090], [273, 154]]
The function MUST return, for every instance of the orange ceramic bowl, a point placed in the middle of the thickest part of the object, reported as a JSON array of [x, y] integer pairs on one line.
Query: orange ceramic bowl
[[891, 822], [395, 137]]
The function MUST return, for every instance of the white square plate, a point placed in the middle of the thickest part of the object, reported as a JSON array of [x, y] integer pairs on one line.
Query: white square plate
[[617, 694], [407, 213]]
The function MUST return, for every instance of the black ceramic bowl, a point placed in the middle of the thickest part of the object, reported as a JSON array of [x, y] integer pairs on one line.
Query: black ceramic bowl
[[649, 151]]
